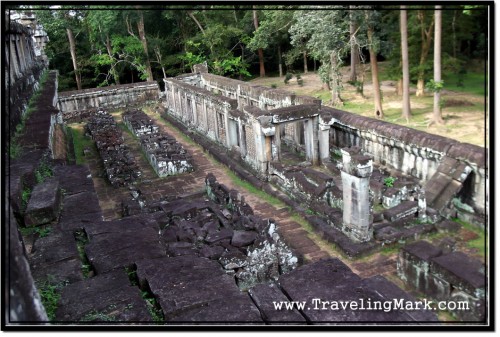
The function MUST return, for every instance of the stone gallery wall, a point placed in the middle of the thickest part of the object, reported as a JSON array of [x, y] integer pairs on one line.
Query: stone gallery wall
[[415, 153], [23, 70], [112, 97]]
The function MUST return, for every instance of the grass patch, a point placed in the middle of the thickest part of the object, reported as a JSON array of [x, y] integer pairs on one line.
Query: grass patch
[[50, 295], [80, 143], [96, 316], [472, 82], [44, 170], [42, 231], [81, 240], [478, 243], [252, 189], [25, 197], [153, 307]]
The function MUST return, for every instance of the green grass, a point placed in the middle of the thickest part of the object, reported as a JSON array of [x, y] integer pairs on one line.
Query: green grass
[[80, 142], [480, 242], [42, 231], [50, 295], [81, 240], [473, 83]]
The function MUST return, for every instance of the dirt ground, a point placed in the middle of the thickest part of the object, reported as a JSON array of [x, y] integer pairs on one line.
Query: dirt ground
[[465, 115]]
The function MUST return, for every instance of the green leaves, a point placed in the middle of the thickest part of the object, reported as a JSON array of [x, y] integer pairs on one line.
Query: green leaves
[[434, 86]]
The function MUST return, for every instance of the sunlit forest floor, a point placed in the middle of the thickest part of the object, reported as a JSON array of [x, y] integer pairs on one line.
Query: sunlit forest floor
[[464, 112]]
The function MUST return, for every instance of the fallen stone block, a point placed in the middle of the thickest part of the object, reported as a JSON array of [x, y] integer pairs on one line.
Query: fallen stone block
[[264, 296], [243, 238], [103, 298], [44, 204]]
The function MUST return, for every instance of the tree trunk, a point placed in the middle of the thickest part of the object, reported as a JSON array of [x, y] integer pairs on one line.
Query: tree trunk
[[399, 87], [110, 53], [334, 75], [72, 48], [377, 98], [305, 62], [280, 66], [354, 50], [424, 51], [437, 118], [405, 64], [454, 34], [142, 37], [260, 51]]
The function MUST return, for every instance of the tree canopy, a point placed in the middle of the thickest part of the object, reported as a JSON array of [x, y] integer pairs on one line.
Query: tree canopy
[[100, 45]]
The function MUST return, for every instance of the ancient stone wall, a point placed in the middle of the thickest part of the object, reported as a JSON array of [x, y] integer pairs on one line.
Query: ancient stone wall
[[410, 151], [111, 97], [23, 69], [451, 276]]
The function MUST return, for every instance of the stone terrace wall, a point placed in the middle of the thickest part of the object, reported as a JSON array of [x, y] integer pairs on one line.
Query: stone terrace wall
[[410, 151], [253, 95], [112, 97], [23, 69]]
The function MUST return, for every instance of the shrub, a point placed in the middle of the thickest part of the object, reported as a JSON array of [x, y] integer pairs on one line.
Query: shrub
[[288, 77]]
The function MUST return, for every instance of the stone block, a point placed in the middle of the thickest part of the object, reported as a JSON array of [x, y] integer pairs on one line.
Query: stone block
[[106, 297], [264, 296], [243, 238], [44, 204]]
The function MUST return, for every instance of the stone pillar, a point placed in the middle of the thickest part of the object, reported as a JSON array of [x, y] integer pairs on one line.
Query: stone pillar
[[357, 212], [243, 141], [260, 148], [227, 128], [277, 143], [324, 142], [205, 114], [311, 140]]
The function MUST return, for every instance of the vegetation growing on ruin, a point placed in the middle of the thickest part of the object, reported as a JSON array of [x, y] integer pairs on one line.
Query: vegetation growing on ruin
[[80, 143], [15, 149], [50, 293]]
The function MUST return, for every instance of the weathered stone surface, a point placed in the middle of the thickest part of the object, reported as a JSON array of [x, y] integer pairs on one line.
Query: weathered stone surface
[[186, 282], [80, 209], [447, 226], [55, 258], [331, 280], [404, 209], [107, 297], [74, 179], [211, 252], [21, 295], [233, 260], [234, 309], [223, 234], [243, 238], [422, 250], [264, 296], [44, 204], [460, 270], [391, 292], [121, 243]]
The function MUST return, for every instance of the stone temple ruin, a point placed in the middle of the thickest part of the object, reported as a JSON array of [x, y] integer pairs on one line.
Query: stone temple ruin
[[203, 254], [165, 154]]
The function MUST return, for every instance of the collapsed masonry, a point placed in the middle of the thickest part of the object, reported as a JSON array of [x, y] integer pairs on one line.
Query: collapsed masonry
[[119, 163], [434, 176], [164, 153]]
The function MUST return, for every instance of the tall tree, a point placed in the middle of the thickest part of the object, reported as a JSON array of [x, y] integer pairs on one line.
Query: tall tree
[[438, 84], [354, 47], [405, 64], [144, 41], [426, 36], [273, 29], [260, 50], [327, 42], [377, 97], [72, 47]]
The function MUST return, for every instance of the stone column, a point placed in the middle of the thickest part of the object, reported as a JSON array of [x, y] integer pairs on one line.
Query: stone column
[[311, 140], [277, 143], [357, 213], [324, 142], [243, 141]]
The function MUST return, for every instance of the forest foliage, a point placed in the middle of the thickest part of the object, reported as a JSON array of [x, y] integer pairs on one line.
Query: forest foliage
[[124, 44]]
